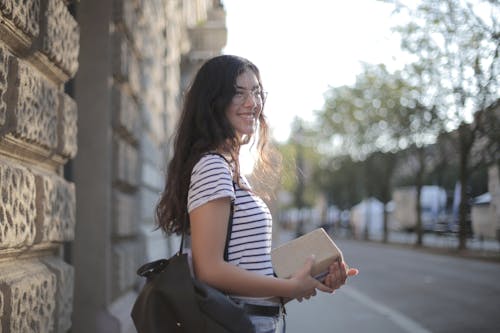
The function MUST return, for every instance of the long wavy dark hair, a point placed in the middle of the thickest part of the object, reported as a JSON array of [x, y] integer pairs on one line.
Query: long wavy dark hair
[[203, 127]]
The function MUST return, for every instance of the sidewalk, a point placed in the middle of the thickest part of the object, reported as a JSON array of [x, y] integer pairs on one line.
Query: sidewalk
[[449, 241], [446, 244]]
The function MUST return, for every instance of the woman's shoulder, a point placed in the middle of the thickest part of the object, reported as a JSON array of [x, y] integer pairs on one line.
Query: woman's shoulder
[[211, 178], [211, 161]]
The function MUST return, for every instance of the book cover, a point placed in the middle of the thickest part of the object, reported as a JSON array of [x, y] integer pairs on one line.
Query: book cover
[[291, 256]]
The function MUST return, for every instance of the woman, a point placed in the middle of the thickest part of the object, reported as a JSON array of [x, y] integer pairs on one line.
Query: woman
[[223, 109]]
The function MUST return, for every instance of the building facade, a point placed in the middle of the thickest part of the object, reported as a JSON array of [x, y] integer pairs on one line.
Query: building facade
[[89, 95]]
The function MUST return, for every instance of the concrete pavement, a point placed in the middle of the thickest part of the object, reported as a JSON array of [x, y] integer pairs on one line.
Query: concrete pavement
[[347, 310]]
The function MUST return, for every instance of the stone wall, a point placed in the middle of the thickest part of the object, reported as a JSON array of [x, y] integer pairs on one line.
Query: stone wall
[[74, 227], [39, 45], [128, 90]]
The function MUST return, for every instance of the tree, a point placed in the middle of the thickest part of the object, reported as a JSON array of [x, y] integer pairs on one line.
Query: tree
[[382, 112], [299, 160], [367, 117], [489, 121], [457, 46], [379, 171], [341, 180]]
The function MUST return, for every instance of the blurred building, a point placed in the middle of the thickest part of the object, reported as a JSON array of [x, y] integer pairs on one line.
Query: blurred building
[[432, 203], [367, 218], [485, 210], [494, 190], [89, 95]]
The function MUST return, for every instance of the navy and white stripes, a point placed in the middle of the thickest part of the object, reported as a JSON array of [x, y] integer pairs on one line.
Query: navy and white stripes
[[250, 242]]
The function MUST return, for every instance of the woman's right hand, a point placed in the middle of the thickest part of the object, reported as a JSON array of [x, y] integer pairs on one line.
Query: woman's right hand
[[305, 284]]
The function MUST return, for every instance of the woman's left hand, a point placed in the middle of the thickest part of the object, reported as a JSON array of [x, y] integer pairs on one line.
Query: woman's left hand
[[338, 272]]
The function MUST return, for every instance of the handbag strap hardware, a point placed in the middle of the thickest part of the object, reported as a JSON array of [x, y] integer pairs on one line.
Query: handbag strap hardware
[[151, 268]]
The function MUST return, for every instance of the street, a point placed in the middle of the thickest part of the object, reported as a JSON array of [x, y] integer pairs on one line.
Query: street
[[403, 290]]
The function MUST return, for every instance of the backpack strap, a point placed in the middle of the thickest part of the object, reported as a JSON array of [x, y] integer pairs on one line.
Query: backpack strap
[[229, 227]]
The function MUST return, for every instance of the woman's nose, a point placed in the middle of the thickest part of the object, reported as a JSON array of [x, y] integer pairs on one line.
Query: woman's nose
[[251, 100]]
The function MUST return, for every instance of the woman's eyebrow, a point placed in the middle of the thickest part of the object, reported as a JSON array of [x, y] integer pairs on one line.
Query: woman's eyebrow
[[244, 88]]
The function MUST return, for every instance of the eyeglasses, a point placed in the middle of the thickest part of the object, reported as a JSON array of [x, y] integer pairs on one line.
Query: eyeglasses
[[241, 96]]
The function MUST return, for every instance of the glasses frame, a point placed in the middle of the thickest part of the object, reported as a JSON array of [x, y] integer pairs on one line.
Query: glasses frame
[[259, 96]]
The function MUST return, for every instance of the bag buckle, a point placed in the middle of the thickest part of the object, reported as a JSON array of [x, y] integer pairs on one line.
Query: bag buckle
[[151, 268]]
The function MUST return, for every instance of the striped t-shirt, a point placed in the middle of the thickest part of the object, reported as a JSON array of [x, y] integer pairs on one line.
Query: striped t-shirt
[[250, 241]]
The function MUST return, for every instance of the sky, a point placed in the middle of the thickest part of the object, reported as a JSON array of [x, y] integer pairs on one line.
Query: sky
[[304, 47]]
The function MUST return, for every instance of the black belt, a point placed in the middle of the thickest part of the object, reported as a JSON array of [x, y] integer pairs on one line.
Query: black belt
[[262, 310]]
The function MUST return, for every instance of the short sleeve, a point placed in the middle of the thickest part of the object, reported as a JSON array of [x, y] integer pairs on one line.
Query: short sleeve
[[211, 179]]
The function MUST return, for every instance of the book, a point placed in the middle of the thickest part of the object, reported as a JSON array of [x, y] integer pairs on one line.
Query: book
[[289, 257]]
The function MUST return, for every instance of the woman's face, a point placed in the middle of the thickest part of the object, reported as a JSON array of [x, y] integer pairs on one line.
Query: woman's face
[[246, 105]]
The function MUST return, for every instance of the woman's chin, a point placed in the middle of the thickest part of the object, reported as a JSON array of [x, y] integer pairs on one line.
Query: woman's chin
[[244, 138]]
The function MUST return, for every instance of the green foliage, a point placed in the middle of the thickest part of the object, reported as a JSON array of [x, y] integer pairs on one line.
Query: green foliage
[[457, 44], [379, 169], [342, 180], [348, 153], [382, 112], [288, 173], [299, 161]]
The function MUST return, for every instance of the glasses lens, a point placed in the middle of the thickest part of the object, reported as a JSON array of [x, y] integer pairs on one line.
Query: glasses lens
[[263, 95], [241, 96]]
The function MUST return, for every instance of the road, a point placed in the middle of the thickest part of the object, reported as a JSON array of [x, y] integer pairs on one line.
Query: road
[[404, 290]]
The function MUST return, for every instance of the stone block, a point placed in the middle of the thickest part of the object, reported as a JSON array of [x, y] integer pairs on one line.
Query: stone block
[[56, 204], [61, 41], [156, 245], [64, 292], [126, 161], [125, 13], [142, 37], [157, 126], [36, 110], [22, 14], [120, 56], [28, 294], [148, 200], [211, 36], [144, 30], [150, 37], [17, 207], [4, 69], [155, 97], [125, 264], [67, 126], [151, 152], [126, 117], [125, 214], [126, 66], [151, 176], [146, 116], [134, 75]]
